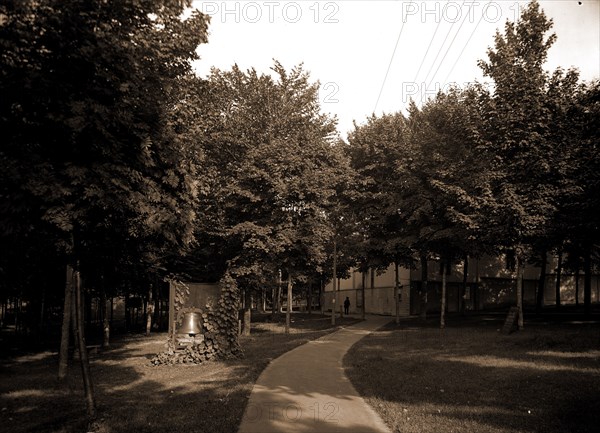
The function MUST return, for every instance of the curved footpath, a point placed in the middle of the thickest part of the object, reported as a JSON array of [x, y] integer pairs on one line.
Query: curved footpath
[[305, 390]]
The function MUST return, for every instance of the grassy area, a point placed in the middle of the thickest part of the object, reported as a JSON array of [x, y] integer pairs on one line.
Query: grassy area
[[472, 378], [133, 396]]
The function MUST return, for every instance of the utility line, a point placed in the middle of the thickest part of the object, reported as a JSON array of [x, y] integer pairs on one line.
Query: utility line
[[448, 50], [427, 52], [464, 47], [389, 66], [441, 47]]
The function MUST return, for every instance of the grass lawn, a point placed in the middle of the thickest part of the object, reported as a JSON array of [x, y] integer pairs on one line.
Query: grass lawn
[[472, 378], [134, 396]]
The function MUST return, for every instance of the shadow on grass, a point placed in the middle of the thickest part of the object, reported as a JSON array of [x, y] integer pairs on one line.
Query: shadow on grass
[[471, 378], [133, 396]]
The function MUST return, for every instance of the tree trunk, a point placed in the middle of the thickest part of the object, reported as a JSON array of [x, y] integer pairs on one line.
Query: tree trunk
[[443, 306], [156, 319], [149, 310], [339, 298], [321, 300], [424, 288], [63, 357], [397, 291], [279, 294], [263, 299], [247, 311], [87, 316], [42, 311], [558, 278], [83, 355], [577, 287], [519, 272], [461, 298], [309, 300], [587, 283], [334, 281], [127, 311], [288, 310], [364, 301], [273, 302], [105, 318], [539, 302]]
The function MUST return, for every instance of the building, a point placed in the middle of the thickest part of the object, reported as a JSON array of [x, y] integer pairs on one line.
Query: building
[[488, 285]]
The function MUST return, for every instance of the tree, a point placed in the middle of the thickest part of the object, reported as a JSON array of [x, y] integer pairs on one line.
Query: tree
[[87, 91], [519, 135], [272, 164], [580, 208]]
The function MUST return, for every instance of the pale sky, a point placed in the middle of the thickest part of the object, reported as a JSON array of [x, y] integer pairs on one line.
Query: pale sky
[[348, 45]]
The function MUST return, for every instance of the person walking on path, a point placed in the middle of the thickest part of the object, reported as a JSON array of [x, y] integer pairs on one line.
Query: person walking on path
[[306, 390], [346, 305]]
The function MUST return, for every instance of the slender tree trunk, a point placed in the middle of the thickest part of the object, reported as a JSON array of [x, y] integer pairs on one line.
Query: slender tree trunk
[[105, 318], [127, 311], [288, 311], [279, 294], [558, 278], [87, 316], [443, 306], [149, 310], [424, 288], [63, 357], [364, 301], [42, 311], [339, 298], [577, 287], [263, 299], [519, 272], [309, 300], [83, 355], [2, 313], [273, 302], [587, 283], [461, 299], [321, 300], [112, 312], [539, 303], [397, 290], [334, 281], [247, 311], [156, 320]]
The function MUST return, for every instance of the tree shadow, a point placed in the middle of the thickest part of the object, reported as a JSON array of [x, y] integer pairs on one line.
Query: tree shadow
[[477, 379]]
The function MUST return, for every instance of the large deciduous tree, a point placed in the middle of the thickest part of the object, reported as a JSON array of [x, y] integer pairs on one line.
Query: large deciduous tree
[[272, 164], [87, 90], [520, 135]]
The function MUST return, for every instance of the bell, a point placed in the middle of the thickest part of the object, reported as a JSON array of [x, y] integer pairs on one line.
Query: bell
[[191, 324]]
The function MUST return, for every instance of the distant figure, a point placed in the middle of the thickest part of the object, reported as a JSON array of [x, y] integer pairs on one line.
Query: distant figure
[[346, 305]]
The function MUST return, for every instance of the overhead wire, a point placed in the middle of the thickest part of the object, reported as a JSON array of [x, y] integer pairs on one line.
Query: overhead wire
[[389, 65], [441, 47], [448, 49], [464, 46], [427, 51]]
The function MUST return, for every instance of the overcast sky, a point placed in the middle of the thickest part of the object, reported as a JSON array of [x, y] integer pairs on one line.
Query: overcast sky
[[350, 45]]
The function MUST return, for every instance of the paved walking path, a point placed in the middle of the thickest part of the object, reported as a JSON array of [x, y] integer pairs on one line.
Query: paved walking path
[[305, 390]]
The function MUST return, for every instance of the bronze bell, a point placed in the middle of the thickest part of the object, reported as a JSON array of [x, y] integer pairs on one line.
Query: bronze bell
[[191, 324]]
